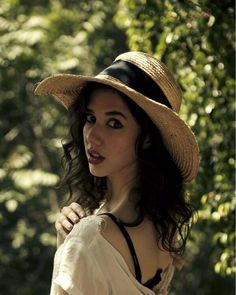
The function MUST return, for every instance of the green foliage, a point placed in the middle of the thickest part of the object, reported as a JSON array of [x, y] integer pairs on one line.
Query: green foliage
[[40, 38]]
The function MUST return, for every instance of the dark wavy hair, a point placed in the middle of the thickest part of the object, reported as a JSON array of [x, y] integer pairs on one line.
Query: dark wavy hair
[[160, 185]]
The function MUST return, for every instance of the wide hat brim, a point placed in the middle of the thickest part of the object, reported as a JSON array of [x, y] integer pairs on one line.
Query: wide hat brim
[[177, 135]]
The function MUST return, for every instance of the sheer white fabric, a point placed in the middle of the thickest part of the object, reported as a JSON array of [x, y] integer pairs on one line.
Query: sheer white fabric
[[87, 264]]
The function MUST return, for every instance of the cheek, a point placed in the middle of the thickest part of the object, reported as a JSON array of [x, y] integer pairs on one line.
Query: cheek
[[125, 148]]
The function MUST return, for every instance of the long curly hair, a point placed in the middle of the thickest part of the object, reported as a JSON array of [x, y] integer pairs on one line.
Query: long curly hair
[[160, 186]]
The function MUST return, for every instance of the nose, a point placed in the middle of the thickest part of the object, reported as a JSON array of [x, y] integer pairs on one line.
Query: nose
[[93, 135]]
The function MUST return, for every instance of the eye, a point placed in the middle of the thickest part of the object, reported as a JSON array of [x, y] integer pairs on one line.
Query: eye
[[90, 118], [114, 123]]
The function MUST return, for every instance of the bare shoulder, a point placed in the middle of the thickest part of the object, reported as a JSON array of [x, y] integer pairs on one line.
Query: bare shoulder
[[151, 253], [150, 256]]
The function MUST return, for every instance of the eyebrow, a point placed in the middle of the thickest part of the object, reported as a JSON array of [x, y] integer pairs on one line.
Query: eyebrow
[[110, 113]]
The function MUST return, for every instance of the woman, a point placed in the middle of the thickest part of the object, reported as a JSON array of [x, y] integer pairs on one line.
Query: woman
[[127, 159]]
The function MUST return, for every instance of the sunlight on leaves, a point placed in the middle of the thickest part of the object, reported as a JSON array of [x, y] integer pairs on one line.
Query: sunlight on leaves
[[11, 205], [25, 179], [2, 174], [19, 157], [47, 239]]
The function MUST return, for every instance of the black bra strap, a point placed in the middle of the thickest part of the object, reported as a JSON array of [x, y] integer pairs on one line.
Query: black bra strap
[[155, 280], [138, 274]]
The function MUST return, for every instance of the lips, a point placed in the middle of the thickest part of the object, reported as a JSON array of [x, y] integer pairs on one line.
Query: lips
[[94, 157]]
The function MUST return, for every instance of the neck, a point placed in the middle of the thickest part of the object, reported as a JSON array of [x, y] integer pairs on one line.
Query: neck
[[120, 199], [121, 183]]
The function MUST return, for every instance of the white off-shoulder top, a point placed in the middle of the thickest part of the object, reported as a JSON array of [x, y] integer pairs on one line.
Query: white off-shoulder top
[[87, 264]]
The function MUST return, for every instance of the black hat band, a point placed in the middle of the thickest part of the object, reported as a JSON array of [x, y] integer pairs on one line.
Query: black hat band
[[133, 77]]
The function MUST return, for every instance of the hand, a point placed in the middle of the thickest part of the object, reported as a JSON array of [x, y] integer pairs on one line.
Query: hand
[[67, 218]]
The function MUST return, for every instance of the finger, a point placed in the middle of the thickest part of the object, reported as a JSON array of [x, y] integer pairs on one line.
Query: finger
[[62, 223], [66, 224], [58, 225], [78, 209], [62, 234], [60, 239], [70, 214], [61, 230]]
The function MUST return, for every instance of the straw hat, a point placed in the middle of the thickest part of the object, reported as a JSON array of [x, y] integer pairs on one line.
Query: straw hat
[[142, 78]]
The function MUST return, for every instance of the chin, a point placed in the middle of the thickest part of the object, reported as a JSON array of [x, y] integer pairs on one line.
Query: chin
[[97, 173]]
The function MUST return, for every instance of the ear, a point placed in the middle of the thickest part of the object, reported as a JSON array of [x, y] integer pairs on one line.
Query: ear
[[147, 142]]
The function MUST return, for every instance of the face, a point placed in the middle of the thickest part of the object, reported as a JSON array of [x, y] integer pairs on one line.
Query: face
[[110, 133]]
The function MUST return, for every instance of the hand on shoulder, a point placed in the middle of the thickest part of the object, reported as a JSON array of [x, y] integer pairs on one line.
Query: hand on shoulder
[[66, 219]]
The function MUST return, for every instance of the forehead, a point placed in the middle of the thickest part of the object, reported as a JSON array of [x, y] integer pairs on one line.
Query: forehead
[[106, 98]]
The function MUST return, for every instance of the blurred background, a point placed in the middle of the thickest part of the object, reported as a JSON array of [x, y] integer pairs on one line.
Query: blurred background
[[40, 38]]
